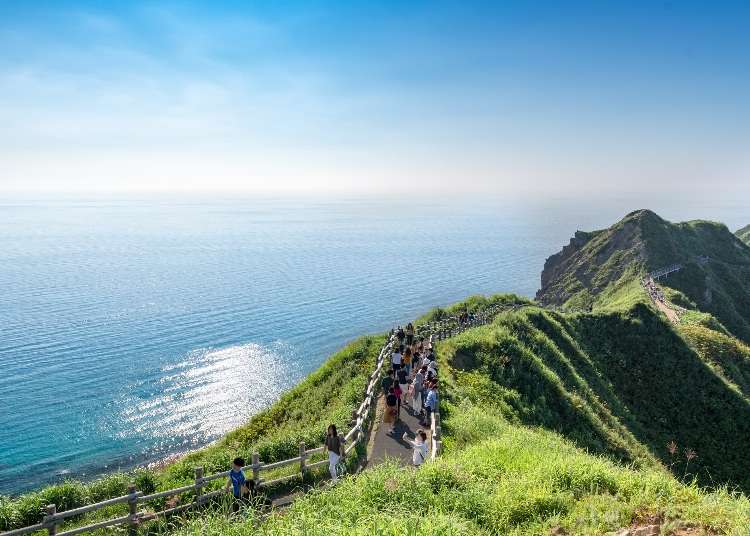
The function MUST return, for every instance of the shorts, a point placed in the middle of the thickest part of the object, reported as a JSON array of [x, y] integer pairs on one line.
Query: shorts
[[396, 366]]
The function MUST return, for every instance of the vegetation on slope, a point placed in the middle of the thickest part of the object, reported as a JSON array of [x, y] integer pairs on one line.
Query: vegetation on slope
[[495, 478], [601, 270], [330, 394], [744, 234], [624, 384], [621, 384]]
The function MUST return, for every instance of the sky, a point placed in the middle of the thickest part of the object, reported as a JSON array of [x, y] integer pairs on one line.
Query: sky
[[502, 98]]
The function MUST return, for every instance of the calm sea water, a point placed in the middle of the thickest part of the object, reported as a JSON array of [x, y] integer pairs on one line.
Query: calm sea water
[[132, 330]]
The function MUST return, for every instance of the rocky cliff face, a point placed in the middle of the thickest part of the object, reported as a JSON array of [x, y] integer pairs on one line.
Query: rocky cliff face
[[744, 234], [593, 260]]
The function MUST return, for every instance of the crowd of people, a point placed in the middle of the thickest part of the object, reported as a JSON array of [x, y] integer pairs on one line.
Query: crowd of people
[[656, 293], [410, 384]]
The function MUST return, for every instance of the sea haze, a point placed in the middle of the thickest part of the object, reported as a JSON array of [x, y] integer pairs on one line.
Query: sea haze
[[133, 330]]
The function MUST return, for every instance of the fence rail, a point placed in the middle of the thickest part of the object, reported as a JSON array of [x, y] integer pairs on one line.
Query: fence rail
[[439, 330]]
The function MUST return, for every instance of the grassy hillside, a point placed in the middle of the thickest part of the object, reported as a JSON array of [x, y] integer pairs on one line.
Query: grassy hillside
[[329, 395], [578, 423], [499, 475], [623, 384], [499, 479], [601, 270], [744, 234]]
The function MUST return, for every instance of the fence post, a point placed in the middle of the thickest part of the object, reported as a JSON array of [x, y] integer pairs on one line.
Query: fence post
[[302, 456], [198, 485], [256, 469], [49, 519], [132, 510]]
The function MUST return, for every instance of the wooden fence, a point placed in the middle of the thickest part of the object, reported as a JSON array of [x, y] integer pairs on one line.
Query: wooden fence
[[440, 330]]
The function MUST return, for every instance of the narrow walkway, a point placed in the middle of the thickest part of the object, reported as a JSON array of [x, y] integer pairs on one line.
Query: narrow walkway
[[392, 446]]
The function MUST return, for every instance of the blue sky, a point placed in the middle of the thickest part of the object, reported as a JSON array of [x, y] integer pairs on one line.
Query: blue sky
[[510, 98]]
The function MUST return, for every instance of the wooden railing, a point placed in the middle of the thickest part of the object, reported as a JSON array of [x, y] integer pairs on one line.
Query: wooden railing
[[439, 330], [443, 330], [360, 417]]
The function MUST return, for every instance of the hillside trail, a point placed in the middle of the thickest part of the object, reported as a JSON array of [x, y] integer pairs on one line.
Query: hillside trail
[[668, 311], [385, 446], [382, 446], [656, 293]]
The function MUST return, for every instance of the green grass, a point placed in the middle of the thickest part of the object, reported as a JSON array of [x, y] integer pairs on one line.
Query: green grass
[[622, 384], [549, 420], [328, 395], [496, 478], [602, 270]]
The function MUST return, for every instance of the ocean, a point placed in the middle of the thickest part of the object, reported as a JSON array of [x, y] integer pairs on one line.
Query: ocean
[[135, 329]]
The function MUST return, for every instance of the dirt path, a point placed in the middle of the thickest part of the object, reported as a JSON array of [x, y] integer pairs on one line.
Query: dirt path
[[671, 313]]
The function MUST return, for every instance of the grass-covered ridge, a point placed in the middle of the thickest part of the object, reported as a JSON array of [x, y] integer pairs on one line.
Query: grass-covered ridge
[[550, 420], [523, 400], [602, 269], [624, 384], [328, 395]]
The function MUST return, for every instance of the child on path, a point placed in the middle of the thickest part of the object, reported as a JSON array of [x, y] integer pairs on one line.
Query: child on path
[[237, 482], [419, 445]]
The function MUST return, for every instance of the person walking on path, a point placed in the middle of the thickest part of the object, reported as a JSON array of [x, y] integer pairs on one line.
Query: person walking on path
[[403, 383], [419, 446], [334, 447], [409, 334], [431, 403], [400, 335], [391, 409], [387, 382], [396, 359], [397, 392], [417, 386], [406, 360]]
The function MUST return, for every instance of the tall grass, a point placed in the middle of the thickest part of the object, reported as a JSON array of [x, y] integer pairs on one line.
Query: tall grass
[[498, 478]]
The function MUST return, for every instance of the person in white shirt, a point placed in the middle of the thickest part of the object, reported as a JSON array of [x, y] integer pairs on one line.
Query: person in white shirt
[[419, 446], [396, 360]]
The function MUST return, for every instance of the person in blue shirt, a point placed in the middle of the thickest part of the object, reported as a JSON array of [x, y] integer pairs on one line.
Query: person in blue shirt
[[431, 402], [236, 480]]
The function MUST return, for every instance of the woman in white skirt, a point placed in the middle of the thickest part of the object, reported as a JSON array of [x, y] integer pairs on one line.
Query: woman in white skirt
[[333, 446]]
